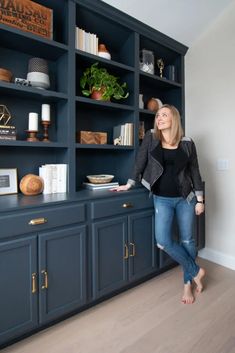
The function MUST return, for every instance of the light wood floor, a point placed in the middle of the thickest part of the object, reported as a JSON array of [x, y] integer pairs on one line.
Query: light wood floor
[[149, 319]]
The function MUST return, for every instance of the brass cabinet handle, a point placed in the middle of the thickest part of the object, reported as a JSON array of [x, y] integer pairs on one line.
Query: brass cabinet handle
[[133, 249], [126, 252], [45, 285], [36, 221], [34, 282], [127, 205]]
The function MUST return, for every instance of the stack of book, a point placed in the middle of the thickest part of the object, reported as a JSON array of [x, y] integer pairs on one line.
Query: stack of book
[[54, 177], [86, 41], [92, 186], [123, 134], [7, 132]]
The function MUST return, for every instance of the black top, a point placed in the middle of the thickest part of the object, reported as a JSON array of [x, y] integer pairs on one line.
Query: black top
[[167, 184]]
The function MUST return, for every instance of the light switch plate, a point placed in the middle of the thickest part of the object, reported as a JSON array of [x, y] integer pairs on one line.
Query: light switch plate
[[222, 164]]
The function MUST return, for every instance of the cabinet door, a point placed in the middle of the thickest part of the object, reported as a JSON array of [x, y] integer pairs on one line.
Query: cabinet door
[[109, 256], [18, 287], [62, 271], [141, 244]]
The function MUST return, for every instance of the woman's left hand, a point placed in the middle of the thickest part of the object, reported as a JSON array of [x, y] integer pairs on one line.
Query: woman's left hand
[[199, 208]]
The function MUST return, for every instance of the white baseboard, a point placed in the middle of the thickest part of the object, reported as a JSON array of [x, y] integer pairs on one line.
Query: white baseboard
[[218, 257]]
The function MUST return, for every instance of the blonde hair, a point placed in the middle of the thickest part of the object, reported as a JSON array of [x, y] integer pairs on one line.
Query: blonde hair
[[176, 128]]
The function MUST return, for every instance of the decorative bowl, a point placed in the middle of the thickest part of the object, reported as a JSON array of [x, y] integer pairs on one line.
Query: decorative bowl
[[100, 178]]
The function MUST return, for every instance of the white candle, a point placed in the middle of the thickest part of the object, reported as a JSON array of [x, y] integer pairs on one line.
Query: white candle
[[33, 122], [46, 114]]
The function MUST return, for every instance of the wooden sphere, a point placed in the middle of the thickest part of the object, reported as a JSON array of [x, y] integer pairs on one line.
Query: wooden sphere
[[31, 184], [153, 105]]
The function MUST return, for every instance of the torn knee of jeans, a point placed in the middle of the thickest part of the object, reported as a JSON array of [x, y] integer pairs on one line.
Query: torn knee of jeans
[[187, 241], [160, 246]]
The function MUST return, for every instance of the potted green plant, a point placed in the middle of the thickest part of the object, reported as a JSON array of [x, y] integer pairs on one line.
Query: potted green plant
[[98, 83]]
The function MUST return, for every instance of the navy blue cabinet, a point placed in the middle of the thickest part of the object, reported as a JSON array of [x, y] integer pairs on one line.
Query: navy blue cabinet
[[42, 277], [123, 248], [18, 287], [142, 251], [62, 271]]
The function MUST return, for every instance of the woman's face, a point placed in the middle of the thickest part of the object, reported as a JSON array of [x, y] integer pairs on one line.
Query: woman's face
[[164, 119]]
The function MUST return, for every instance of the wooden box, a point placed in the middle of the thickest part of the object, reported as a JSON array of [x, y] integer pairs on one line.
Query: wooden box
[[91, 137], [28, 16]]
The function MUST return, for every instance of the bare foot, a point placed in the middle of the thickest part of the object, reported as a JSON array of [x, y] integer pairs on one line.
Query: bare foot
[[187, 297], [198, 280]]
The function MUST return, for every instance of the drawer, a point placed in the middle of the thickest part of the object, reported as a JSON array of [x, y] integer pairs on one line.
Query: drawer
[[116, 206], [37, 220]]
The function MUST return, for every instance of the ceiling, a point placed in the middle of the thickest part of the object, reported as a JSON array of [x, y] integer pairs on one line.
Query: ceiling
[[183, 20]]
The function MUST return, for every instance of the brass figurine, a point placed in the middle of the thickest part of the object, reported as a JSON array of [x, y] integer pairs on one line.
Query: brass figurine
[[160, 64]]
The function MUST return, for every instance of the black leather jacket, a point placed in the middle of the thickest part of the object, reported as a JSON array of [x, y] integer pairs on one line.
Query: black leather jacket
[[148, 167]]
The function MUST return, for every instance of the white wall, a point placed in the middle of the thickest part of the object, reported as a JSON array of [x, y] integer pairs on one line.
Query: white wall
[[210, 120]]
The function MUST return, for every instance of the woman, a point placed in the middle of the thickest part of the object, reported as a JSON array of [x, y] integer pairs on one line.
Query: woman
[[167, 165]]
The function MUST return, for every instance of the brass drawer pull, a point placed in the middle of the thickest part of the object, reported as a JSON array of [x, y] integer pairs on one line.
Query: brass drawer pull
[[45, 285], [127, 205], [133, 249], [37, 221], [34, 282], [126, 252]]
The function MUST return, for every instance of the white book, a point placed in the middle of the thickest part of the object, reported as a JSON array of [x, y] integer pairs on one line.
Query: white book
[[46, 174], [77, 38], [122, 134], [61, 177], [92, 186]]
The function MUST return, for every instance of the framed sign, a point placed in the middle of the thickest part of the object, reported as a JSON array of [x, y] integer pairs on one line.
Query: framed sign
[[8, 181]]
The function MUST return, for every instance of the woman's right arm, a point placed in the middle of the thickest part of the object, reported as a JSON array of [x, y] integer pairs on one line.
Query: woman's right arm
[[140, 164]]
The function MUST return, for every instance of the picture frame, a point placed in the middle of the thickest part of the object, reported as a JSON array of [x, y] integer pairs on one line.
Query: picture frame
[[8, 181]]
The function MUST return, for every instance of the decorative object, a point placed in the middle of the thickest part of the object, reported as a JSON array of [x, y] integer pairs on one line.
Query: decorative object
[[45, 120], [141, 130], [28, 16], [46, 112], [100, 178], [171, 72], [32, 136], [22, 81], [33, 122], [8, 181], [141, 102], [32, 127], [103, 52], [160, 65], [38, 73], [91, 137], [98, 79], [147, 61], [45, 125], [7, 132], [117, 141], [31, 184], [5, 115], [5, 75], [154, 104]]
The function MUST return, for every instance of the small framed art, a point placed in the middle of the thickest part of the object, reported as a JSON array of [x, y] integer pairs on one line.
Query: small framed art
[[8, 181]]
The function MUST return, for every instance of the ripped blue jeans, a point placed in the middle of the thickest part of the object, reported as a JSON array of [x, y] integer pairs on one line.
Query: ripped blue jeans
[[184, 252]]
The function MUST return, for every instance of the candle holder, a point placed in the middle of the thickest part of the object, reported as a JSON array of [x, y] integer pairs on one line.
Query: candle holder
[[32, 135], [45, 125]]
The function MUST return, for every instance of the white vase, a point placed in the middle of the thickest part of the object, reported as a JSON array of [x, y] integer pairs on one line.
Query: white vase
[[39, 80]]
